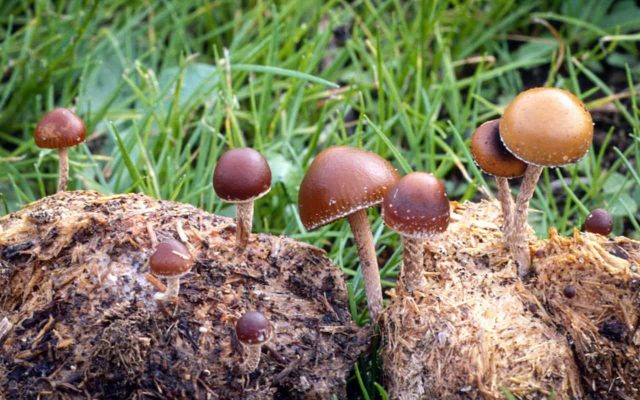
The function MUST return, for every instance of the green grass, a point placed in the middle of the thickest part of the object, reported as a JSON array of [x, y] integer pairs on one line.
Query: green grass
[[166, 86]]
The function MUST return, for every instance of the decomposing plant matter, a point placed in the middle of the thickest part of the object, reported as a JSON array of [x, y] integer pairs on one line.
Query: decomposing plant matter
[[83, 322]]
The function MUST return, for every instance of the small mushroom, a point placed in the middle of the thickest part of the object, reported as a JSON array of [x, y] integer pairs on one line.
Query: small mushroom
[[343, 182], [60, 129], [242, 176], [171, 260], [416, 207], [599, 221], [544, 127], [569, 292], [494, 159], [253, 330]]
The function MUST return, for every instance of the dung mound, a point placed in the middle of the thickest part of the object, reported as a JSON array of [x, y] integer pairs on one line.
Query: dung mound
[[75, 288]]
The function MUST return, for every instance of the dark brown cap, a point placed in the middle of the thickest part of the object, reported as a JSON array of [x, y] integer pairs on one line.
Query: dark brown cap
[[171, 258], [241, 175], [599, 221], [491, 155], [59, 128], [340, 181], [253, 328], [547, 127], [417, 206]]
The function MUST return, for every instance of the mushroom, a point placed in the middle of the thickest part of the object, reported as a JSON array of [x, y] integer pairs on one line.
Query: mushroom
[[544, 127], [253, 330], [416, 207], [343, 182], [242, 176], [171, 260], [599, 221], [569, 292], [494, 159], [59, 129]]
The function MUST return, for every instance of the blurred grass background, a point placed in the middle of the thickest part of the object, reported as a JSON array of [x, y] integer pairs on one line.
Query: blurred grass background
[[166, 86]]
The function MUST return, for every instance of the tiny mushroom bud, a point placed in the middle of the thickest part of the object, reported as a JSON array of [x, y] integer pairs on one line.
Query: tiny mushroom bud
[[543, 127], [494, 159], [59, 129], [242, 176], [599, 221], [253, 330], [416, 207], [171, 260], [569, 292], [343, 182]]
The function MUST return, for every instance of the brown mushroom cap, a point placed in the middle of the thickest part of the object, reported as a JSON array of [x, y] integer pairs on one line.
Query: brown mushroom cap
[[417, 206], [171, 258], [599, 221], [547, 127], [59, 128], [491, 155], [253, 328], [340, 181], [241, 175]]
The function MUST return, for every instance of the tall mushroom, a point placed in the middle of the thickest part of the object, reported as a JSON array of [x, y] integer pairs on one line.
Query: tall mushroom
[[242, 176], [343, 182], [171, 260], [59, 129], [544, 127], [494, 159], [417, 207], [253, 330]]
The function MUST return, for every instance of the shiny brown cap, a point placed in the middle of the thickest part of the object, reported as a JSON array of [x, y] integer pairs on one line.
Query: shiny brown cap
[[241, 175], [417, 206], [491, 155], [340, 181], [253, 328], [171, 258], [599, 221], [547, 127], [59, 128]]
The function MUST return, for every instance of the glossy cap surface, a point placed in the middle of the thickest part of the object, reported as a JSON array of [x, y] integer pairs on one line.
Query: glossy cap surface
[[171, 258], [59, 128], [253, 328], [417, 206], [340, 181], [241, 175], [547, 127], [491, 155], [599, 221]]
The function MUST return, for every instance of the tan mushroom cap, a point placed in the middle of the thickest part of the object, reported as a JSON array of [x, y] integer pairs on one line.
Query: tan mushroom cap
[[59, 128], [547, 127], [491, 155], [241, 175], [171, 258], [340, 181], [417, 206]]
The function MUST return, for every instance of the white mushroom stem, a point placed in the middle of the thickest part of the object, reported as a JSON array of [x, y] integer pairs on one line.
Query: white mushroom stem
[[413, 269], [359, 222], [517, 234], [173, 287], [506, 202], [63, 177], [244, 220], [252, 354]]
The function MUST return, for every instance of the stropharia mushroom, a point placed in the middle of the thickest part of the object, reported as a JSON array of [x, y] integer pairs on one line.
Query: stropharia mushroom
[[417, 208], [599, 221], [343, 182], [171, 260], [242, 176], [253, 330], [494, 159], [60, 129], [544, 127]]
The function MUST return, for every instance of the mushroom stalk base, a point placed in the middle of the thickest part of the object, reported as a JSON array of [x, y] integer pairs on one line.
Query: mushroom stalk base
[[413, 269], [244, 220], [506, 203], [516, 235], [359, 222], [63, 157], [252, 358]]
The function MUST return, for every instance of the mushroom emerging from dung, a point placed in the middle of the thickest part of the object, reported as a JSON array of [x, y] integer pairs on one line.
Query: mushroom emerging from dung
[[343, 182], [253, 330], [241, 177], [544, 127], [416, 207], [494, 159], [171, 260], [599, 221], [59, 129]]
